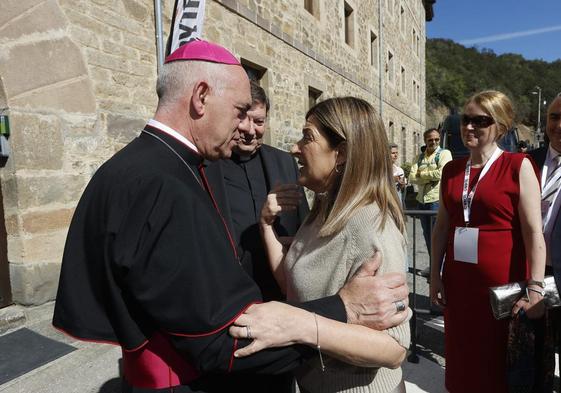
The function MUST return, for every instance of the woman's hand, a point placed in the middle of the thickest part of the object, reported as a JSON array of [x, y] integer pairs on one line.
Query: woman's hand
[[437, 295], [273, 324], [532, 305], [283, 197]]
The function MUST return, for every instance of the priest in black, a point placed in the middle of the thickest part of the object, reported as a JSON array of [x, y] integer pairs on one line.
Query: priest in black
[[241, 185], [150, 263]]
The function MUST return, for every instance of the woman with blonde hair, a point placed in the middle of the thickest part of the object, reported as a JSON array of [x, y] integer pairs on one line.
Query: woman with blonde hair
[[488, 229], [345, 160]]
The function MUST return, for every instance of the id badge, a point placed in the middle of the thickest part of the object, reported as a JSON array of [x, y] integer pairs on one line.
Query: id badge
[[465, 244]]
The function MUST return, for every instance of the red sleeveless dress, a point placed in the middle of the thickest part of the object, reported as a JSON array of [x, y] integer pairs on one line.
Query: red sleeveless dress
[[476, 342]]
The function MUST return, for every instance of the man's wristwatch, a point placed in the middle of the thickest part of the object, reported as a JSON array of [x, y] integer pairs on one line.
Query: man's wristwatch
[[540, 284]]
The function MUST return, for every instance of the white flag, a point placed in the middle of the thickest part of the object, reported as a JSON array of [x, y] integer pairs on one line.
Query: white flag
[[187, 23]]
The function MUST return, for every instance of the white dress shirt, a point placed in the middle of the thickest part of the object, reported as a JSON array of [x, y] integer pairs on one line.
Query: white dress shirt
[[553, 211]]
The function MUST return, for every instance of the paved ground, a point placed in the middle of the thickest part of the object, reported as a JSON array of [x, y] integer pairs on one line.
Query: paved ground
[[95, 367]]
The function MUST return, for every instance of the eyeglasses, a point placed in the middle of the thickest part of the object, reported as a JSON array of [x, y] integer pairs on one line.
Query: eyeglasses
[[477, 121], [433, 140]]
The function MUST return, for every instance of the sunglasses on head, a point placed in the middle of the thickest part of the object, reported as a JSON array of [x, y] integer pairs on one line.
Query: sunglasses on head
[[477, 121]]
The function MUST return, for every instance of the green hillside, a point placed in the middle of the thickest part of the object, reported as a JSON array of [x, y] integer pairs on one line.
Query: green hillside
[[455, 72]]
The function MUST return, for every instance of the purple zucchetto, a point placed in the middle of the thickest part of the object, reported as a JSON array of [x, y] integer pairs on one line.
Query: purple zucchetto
[[203, 51]]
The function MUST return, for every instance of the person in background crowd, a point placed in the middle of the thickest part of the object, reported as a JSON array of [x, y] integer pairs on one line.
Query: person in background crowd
[[522, 147], [426, 173], [398, 174], [548, 159], [489, 229], [149, 263], [346, 161], [241, 185]]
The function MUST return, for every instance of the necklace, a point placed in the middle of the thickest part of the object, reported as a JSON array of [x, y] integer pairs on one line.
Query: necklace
[[177, 154]]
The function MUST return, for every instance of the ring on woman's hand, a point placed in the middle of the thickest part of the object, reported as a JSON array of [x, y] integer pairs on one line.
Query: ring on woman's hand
[[248, 332], [399, 306]]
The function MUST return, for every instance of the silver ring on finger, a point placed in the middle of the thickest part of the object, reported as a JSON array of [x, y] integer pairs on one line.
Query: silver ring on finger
[[248, 332], [399, 306]]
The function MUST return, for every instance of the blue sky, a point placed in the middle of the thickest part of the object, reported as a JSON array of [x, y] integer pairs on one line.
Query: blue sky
[[531, 28]]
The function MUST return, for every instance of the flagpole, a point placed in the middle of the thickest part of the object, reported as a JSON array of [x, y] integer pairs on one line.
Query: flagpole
[[159, 34]]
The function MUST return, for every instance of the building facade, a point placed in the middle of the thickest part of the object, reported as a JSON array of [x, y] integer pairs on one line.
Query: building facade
[[77, 81]]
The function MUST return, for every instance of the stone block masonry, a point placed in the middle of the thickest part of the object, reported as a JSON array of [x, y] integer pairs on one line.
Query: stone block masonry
[[78, 80]]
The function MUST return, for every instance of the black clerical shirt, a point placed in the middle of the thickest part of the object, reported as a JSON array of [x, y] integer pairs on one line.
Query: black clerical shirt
[[246, 187]]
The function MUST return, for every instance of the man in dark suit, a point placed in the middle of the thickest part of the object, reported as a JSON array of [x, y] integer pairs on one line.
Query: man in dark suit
[[548, 159], [241, 185]]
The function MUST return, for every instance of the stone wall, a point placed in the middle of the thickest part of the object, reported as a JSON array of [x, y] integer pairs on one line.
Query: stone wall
[[301, 50], [78, 76], [78, 80]]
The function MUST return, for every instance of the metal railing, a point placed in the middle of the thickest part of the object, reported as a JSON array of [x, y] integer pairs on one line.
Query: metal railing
[[415, 214]]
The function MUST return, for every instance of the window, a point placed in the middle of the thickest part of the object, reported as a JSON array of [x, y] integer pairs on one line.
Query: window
[[413, 38], [313, 96], [416, 141], [309, 6], [402, 19], [403, 75], [254, 72], [373, 50], [312, 6], [414, 91], [389, 67], [391, 131], [349, 24], [418, 98], [403, 144], [418, 47]]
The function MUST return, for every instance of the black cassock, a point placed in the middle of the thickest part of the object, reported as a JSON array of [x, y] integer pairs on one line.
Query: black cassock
[[148, 261]]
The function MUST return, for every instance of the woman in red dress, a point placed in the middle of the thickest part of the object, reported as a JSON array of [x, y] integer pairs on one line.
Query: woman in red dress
[[488, 230]]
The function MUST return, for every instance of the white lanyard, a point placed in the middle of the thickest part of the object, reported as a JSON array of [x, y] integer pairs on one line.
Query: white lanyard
[[467, 199]]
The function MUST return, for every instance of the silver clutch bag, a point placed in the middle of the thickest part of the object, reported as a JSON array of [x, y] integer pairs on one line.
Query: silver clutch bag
[[504, 297]]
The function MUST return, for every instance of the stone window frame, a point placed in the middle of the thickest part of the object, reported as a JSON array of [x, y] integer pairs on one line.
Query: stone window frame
[[390, 65], [374, 62], [403, 143], [315, 87], [402, 80], [313, 7], [402, 19], [391, 131], [349, 31]]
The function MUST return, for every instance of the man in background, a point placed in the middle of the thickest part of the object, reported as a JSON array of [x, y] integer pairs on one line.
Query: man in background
[[242, 184], [548, 159], [426, 173]]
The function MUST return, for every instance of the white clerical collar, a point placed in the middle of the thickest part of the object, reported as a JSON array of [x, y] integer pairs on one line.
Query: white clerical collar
[[170, 131]]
